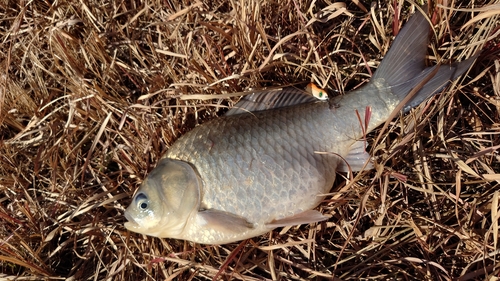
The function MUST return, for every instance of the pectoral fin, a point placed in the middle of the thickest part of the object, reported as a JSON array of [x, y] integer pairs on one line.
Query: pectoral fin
[[306, 217], [224, 221]]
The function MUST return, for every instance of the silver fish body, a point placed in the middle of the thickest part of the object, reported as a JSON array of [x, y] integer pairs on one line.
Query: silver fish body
[[241, 175]]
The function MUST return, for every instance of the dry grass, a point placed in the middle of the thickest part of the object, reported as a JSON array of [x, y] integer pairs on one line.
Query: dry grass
[[93, 92]]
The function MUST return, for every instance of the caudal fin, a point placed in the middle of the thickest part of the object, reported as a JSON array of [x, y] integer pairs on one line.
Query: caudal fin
[[403, 67]]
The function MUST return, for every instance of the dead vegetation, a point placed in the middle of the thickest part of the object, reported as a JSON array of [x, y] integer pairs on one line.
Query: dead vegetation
[[92, 93]]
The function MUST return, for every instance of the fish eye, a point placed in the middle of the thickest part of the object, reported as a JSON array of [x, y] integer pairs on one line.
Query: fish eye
[[142, 201]]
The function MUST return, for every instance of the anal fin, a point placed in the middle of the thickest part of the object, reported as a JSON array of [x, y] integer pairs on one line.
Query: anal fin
[[356, 158]]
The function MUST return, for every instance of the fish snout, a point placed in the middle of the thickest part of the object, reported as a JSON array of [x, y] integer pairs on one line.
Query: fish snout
[[131, 223]]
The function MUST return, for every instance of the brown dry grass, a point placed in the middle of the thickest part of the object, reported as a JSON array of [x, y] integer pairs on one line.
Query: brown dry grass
[[93, 92]]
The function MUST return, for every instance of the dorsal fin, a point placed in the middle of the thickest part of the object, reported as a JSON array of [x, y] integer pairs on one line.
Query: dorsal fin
[[270, 99]]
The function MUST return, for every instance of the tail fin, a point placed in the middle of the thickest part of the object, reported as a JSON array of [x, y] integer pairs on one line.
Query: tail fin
[[403, 67]]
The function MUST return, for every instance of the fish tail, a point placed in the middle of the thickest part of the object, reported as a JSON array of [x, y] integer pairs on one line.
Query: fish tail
[[403, 67]]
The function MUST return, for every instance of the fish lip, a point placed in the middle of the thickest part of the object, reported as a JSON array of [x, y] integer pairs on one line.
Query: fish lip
[[131, 222]]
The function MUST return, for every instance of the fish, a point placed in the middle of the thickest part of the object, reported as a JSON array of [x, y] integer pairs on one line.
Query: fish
[[272, 158]]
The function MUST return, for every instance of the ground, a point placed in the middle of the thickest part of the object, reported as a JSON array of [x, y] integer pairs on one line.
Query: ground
[[92, 93]]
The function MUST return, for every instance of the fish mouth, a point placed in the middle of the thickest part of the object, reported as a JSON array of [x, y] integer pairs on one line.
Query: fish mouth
[[131, 223]]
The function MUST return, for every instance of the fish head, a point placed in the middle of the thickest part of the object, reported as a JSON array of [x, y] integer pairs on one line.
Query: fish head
[[166, 201]]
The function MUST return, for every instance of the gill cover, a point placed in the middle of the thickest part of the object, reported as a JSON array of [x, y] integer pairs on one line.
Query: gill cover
[[166, 199]]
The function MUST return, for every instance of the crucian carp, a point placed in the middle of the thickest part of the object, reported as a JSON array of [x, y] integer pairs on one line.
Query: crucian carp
[[257, 167]]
